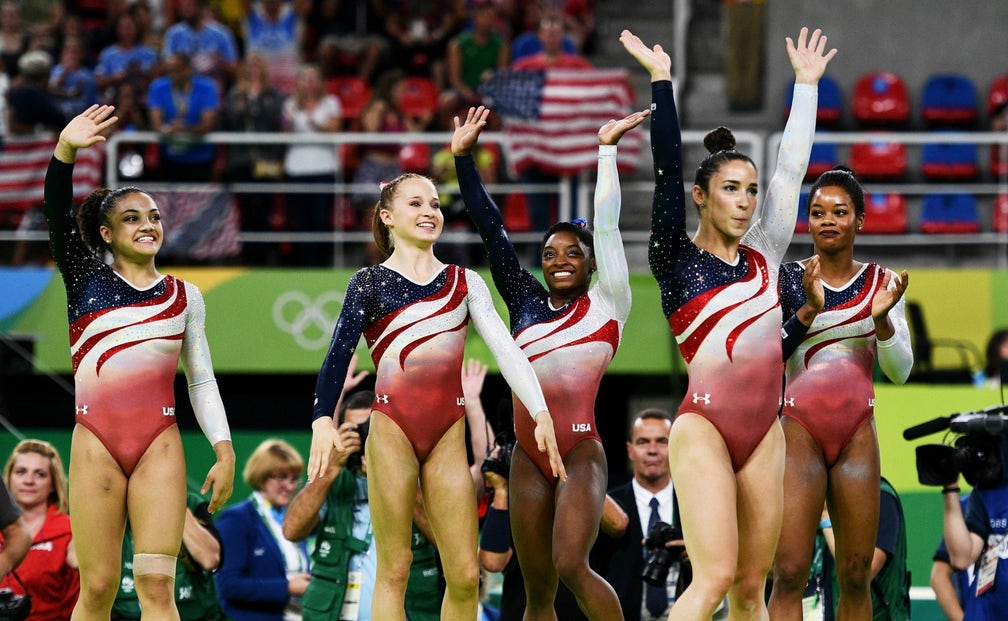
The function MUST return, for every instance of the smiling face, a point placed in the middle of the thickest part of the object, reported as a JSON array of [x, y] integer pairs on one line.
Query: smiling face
[[833, 221], [31, 480], [567, 266], [729, 201], [133, 228], [414, 217]]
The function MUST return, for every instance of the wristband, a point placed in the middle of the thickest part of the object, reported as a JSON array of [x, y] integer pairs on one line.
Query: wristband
[[496, 535], [824, 524], [953, 489]]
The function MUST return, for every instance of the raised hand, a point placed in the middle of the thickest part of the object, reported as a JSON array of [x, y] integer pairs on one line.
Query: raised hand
[[654, 59], [611, 132], [84, 130], [815, 295], [467, 133], [473, 374], [809, 58], [353, 376], [887, 297]]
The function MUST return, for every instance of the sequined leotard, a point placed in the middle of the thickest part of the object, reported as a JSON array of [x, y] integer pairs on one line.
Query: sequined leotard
[[840, 344], [726, 317], [416, 334], [570, 348], [126, 342]]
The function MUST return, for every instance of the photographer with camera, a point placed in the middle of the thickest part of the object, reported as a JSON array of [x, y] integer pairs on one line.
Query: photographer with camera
[[344, 562]]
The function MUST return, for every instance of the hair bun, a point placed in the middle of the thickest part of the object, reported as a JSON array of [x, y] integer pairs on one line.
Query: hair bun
[[720, 139]]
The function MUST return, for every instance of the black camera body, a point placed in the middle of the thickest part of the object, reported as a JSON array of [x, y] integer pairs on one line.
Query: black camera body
[[353, 462], [979, 451], [660, 555], [501, 464], [14, 607]]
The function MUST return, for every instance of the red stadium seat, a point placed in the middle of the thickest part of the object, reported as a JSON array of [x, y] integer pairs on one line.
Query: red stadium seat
[[1001, 213], [352, 92], [998, 161], [950, 100], [415, 158], [878, 160], [950, 213], [516, 213], [880, 100], [997, 93], [885, 214], [418, 97]]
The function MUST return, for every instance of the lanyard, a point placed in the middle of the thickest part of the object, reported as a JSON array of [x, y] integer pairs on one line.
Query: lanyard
[[295, 558]]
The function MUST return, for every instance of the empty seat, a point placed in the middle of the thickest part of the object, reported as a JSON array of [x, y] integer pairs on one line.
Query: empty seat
[[878, 160], [949, 100], [1001, 213], [822, 158], [829, 112], [950, 213], [997, 93], [417, 97], [353, 94], [885, 214], [415, 157], [801, 224], [880, 100], [943, 161]]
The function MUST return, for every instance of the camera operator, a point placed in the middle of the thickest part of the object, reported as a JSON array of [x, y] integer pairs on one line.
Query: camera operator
[[16, 539], [975, 537]]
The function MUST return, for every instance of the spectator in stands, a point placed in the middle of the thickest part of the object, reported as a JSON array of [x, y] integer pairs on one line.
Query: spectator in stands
[[13, 37], [130, 108], [210, 44], [528, 41], [253, 105], [419, 33], [263, 575], [996, 356], [183, 105], [471, 55], [376, 162], [150, 19], [310, 110], [273, 28], [32, 107], [35, 475], [128, 60], [71, 82], [349, 40]]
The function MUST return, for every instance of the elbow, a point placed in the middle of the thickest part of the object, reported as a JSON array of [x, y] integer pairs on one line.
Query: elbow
[[292, 532]]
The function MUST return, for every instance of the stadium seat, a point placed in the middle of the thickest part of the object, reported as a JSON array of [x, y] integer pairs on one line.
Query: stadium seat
[[516, 213], [998, 161], [418, 97], [1001, 213], [997, 93], [830, 111], [353, 94], [942, 161], [801, 225], [883, 161], [415, 157], [885, 214], [880, 100], [822, 158], [949, 213], [949, 100]]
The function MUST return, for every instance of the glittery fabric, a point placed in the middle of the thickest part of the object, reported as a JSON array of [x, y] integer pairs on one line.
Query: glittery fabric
[[840, 343], [416, 334], [125, 342], [726, 317], [570, 348]]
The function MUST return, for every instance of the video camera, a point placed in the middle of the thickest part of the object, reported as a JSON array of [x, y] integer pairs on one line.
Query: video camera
[[501, 464], [979, 452]]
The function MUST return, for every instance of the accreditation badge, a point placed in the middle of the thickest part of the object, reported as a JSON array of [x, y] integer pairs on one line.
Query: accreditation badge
[[988, 563], [351, 599]]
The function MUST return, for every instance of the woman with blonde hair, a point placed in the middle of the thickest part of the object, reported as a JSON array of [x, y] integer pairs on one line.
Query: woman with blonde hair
[[36, 478]]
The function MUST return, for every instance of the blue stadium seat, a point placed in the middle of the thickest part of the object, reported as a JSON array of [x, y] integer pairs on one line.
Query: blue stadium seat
[[950, 100], [822, 158], [801, 225], [950, 162], [830, 110], [950, 213]]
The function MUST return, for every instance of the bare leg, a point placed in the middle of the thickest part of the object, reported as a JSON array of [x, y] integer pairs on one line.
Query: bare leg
[[854, 510], [578, 512], [705, 484], [450, 501], [392, 471], [156, 501], [532, 499], [760, 505], [805, 487], [98, 521]]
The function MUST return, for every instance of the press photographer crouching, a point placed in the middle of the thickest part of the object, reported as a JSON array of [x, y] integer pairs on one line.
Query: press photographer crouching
[[976, 537]]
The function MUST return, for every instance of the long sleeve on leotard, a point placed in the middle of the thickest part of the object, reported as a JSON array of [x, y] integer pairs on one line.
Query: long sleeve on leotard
[[668, 211], [346, 335], [895, 355], [514, 366], [68, 248], [774, 225], [514, 283], [204, 394], [610, 258]]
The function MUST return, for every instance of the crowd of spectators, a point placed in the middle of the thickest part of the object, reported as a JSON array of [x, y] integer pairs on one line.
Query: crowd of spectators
[[188, 67]]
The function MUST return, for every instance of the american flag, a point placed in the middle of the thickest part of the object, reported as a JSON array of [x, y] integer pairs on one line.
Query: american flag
[[200, 222], [23, 163], [552, 117]]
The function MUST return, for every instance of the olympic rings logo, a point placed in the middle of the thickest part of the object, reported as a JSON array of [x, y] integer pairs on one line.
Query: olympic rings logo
[[309, 321]]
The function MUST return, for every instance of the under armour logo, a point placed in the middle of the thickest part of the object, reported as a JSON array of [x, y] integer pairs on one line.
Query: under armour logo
[[789, 402], [705, 398], [81, 409], [381, 398]]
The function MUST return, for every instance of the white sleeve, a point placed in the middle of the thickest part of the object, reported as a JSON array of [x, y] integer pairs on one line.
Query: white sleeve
[[514, 366], [203, 392], [610, 258], [895, 355]]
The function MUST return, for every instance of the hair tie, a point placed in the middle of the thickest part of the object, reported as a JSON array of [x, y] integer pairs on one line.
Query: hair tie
[[579, 222], [382, 184]]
